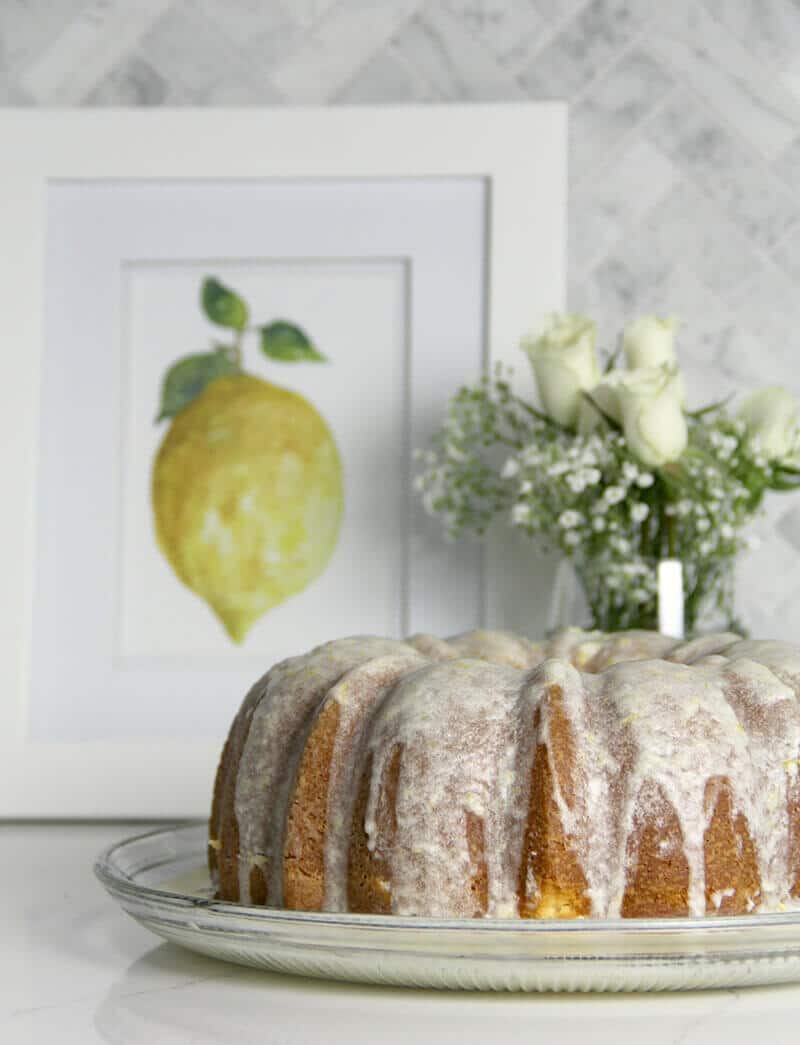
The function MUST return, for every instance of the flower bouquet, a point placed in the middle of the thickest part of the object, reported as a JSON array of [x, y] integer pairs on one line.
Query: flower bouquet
[[613, 470]]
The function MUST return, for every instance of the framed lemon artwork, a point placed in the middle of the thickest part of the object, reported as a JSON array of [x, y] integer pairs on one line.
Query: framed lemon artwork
[[231, 330], [247, 489]]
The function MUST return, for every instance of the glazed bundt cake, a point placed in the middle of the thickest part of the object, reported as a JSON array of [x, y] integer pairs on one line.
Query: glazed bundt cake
[[488, 775]]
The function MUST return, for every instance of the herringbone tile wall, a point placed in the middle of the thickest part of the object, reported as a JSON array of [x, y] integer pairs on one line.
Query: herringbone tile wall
[[684, 144]]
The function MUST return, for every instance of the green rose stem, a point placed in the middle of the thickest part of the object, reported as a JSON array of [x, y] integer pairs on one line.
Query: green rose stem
[[671, 543]]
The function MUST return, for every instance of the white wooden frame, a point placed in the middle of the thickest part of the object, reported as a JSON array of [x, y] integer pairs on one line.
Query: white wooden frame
[[519, 149]]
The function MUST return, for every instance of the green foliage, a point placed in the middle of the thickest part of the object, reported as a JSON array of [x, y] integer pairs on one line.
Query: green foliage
[[189, 377], [288, 343], [591, 499], [222, 305]]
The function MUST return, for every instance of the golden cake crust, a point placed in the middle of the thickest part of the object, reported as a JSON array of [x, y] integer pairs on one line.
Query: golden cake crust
[[487, 775]]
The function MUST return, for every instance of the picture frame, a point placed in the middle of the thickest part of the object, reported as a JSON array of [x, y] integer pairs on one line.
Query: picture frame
[[449, 218]]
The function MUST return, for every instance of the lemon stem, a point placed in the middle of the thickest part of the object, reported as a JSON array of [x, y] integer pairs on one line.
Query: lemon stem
[[236, 348]]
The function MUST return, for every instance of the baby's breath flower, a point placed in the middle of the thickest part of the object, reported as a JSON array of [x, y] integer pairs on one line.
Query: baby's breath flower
[[429, 502], [531, 456], [520, 514], [559, 468], [588, 495], [454, 453], [569, 519]]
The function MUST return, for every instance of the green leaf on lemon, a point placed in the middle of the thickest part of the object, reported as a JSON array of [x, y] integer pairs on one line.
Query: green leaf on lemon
[[288, 343], [189, 377], [222, 305]]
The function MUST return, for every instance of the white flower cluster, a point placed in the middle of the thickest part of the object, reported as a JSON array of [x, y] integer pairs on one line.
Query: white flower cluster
[[614, 473], [464, 481], [586, 496]]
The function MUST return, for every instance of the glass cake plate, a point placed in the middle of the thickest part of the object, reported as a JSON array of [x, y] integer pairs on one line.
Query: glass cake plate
[[159, 878]]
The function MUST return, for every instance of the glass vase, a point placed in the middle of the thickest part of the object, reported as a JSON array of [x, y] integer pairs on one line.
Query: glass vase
[[582, 596]]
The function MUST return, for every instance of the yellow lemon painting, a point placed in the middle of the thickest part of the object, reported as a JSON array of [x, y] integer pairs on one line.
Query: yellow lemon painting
[[247, 484]]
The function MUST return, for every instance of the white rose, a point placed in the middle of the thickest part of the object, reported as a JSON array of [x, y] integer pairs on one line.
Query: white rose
[[607, 393], [648, 404], [652, 415], [650, 341], [565, 364], [772, 416]]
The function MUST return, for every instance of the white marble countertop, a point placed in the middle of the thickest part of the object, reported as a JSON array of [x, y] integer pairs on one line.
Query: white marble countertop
[[74, 968]]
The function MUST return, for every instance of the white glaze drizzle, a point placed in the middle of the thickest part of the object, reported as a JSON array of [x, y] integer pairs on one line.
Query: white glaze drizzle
[[458, 728], [431, 646], [682, 731], [589, 820], [706, 646], [769, 714], [465, 728], [674, 727], [289, 695], [498, 647], [356, 694]]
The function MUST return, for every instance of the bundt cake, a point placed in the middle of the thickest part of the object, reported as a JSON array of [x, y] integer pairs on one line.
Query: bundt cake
[[488, 775]]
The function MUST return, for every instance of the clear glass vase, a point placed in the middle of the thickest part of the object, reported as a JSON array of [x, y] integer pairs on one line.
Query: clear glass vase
[[582, 597]]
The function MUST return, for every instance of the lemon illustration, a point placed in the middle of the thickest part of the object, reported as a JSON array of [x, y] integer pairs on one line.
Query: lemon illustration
[[247, 496]]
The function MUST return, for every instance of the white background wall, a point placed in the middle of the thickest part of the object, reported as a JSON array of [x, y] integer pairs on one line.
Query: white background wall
[[685, 144]]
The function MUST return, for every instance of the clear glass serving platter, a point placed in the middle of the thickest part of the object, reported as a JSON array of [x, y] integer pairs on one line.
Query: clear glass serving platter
[[159, 878]]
